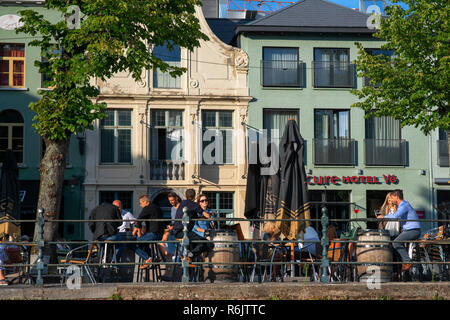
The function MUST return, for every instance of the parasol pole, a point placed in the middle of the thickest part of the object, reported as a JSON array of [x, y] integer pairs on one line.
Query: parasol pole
[[292, 260]]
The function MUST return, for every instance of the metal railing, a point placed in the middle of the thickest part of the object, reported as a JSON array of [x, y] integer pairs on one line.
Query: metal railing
[[333, 74], [282, 73], [334, 151], [385, 152], [343, 265]]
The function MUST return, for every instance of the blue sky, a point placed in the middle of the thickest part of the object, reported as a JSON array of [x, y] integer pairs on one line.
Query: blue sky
[[350, 3], [347, 3]]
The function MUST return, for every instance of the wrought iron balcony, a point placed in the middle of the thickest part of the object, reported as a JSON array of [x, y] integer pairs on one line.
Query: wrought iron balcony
[[331, 74], [282, 73], [442, 147], [334, 151], [167, 170], [385, 152]]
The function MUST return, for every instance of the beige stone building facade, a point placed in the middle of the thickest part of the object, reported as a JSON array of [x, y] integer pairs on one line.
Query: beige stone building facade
[[153, 139]]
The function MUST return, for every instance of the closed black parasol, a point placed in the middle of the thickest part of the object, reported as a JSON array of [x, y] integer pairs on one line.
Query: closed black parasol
[[9, 195], [261, 196], [293, 196]]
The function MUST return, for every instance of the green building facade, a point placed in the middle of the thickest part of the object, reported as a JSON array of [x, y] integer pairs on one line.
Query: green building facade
[[19, 85], [302, 67]]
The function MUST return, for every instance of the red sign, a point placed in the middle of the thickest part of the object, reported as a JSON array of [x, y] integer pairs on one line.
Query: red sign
[[335, 180]]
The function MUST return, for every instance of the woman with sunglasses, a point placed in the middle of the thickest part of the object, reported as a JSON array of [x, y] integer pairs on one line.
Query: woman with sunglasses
[[201, 226]]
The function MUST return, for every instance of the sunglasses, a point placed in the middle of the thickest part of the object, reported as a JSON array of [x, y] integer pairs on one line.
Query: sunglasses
[[204, 200]]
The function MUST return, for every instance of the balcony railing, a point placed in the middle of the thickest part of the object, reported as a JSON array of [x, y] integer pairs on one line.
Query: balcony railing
[[167, 170], [282, 73], [442, 148], [334, 151], [385, 152], [330, 74]]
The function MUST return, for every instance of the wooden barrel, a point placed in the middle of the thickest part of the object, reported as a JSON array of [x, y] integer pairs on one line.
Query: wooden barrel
[[223, 253], [379, 251]]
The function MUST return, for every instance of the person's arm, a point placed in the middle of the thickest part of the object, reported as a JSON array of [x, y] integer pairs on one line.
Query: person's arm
[[143, 215], [118, 218], [131, 218], [399, 214]]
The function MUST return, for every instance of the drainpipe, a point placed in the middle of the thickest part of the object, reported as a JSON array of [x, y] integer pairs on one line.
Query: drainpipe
[[144, 154], [433, 211]]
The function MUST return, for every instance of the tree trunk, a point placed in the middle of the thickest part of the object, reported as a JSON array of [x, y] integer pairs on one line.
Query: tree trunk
[[51, 169]]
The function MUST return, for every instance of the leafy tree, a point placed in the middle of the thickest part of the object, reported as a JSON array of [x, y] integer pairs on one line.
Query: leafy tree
[[95, 39], [413, 85]]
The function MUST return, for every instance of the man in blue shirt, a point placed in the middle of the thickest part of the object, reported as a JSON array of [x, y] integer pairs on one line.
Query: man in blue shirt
[[410, 229]]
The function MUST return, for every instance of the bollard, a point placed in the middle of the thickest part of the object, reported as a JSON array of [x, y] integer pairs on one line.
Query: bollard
[[325, 263], [40, 261], [185, 244]]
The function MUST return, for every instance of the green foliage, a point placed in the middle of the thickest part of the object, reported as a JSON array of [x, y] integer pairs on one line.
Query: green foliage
[[113, 36], [116, 296], [413, 86], [437, 297]]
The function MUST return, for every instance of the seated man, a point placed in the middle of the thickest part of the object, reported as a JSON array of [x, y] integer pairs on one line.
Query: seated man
[[125, 227], [154, 229], [105, 230], [410, 229]]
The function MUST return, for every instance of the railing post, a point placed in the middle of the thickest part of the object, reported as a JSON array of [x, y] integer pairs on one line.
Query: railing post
[[40, 261], [325, 263], [185, 244]]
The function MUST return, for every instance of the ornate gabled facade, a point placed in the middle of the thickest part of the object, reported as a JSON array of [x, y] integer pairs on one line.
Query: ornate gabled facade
[[151, 142]]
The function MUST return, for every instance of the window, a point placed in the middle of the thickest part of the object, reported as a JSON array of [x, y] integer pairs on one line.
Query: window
[[338, 205], [11, 134], [443, 149], [46, 77], [12, 65], [125, 196], [173, 58], [332, 143], [166, 135], [115, 132], [222, 203], [383, 54], [217, 137], [383, 144], [332, 68], [331, 124], [277, 119], [281, 68]]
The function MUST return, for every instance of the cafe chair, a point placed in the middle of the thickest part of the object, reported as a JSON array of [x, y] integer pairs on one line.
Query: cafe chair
[[310, 259], [84, 264]]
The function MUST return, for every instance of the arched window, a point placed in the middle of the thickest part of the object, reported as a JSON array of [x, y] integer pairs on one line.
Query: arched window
[[11, 134]]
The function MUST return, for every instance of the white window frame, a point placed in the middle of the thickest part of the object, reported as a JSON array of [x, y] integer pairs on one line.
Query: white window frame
[[117, 127]]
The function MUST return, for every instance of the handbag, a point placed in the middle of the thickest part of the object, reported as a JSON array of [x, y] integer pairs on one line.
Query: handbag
[[393, 227]]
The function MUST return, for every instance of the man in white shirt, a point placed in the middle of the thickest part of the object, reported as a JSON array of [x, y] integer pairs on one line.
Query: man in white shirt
[[125, 227], [126, 215]]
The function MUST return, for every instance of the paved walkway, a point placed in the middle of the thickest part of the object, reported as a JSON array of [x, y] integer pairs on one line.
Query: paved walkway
[[232, 291]]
